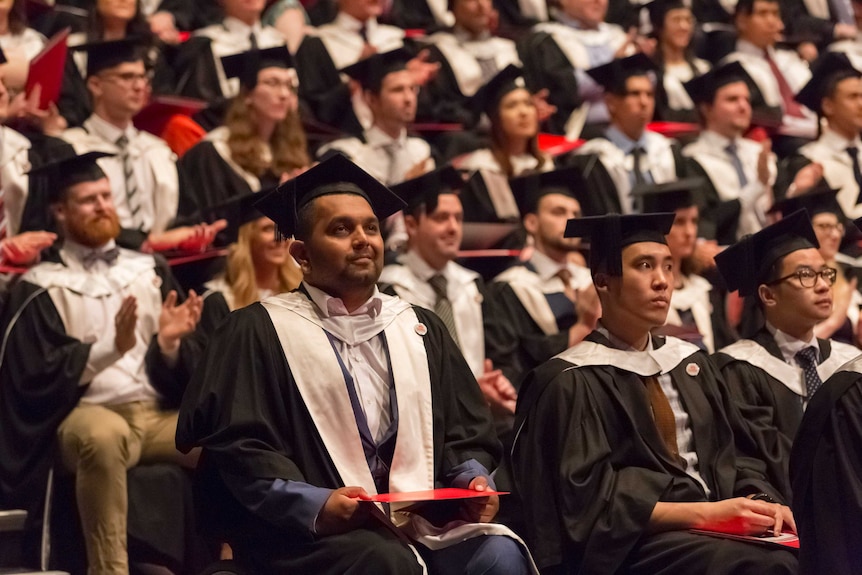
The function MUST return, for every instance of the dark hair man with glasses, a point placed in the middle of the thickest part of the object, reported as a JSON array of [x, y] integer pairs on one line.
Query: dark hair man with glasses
[[773, 375]]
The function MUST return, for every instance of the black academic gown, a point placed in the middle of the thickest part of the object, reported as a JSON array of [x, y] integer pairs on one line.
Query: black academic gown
[[244, 408], [546, 67], [719, 220], [772, 412], [590, 465], [207, 180], [39, 386], [825, 473], [513, 340]]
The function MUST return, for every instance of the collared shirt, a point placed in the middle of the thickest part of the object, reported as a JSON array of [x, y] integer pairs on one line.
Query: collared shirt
[[112, 378], [627, 145], [684, 436], [462, 293], [790, 346], [365, 359], [113, 166], [547, 269]]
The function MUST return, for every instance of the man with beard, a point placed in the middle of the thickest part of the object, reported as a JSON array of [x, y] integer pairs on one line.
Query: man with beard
[[774, 375], [141, 168], [537, 309], [93, 357], [427, 275], [625, 441], [309, 402]]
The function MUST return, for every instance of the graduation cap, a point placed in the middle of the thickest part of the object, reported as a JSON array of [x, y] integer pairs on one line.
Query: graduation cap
[[488, 97], [369, 72], [819, 199], [613, 75], [703, 88], [829, 70], [246, 65], [106, 54], [658, 9], [531, 188], [611, 233], [336, 175], [669, 196], [746, 264], [425, 189], [69, 171]]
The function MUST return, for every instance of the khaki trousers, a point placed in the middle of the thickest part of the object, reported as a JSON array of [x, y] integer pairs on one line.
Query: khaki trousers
[[99, 443]]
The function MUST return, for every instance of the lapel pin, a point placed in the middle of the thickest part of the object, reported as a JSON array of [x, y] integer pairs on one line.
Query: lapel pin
[[421, 328], [692, 369]]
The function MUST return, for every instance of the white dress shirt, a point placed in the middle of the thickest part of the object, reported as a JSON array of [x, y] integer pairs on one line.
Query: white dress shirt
[[365, 359]]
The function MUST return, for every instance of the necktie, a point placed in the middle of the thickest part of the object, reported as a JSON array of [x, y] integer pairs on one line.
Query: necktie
[[132, 196], [737, 164], [662, 413], [853, 151], [790, 105], [443, 307], [363, 31], [108, 256], [488, 68], [565, 275], [807, 359], [252, 41], [637, 154], [392, 172]]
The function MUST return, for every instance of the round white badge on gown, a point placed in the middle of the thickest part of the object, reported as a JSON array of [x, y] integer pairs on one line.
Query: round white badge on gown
[[692, 369], [421, 328]]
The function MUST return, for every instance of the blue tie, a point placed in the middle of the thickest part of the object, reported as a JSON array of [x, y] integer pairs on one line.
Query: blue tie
[[807, 359], [737, 164]]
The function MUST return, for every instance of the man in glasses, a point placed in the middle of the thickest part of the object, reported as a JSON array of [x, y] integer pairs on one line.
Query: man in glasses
[[774, 375]]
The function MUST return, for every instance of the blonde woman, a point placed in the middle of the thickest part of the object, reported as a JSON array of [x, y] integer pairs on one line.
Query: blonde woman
[[262, 141]]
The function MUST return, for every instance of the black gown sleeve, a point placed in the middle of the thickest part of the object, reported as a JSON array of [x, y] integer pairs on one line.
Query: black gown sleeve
[[719, 220], [546, 67], [196, 77], [40, 369]]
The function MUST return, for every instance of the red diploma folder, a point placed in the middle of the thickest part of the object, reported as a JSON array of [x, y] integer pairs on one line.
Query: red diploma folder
[[46, 69], [433, 495], [155, 115], [784, 540]]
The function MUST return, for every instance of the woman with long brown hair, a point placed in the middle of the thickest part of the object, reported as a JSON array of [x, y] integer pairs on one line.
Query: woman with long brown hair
[[514, 146], [262, 141]]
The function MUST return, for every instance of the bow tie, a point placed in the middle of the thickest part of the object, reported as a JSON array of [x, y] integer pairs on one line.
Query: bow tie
[[108, 256]]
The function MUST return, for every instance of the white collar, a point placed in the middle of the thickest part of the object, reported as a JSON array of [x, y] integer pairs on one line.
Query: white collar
[[109, 132], [348, 22], [377, 138], [716, 141], [77, 252], [238, 27], [619, 344], [546, 268], [465, 37], [790, 346], [746, 47], [836, 142], [329, 306], [421, 269]]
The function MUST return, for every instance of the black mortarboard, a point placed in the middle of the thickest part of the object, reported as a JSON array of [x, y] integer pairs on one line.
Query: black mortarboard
[[702, 88], [106, 54], [488, 97], [425, 189], [658, 9], [669, 196], [336, 175], [3, 59], [238, 211], [531, 188], [826, 73], [819, 199], [746, 264], [246, 65], [611, 233], [613, 75], [67, 172], [369, 72]]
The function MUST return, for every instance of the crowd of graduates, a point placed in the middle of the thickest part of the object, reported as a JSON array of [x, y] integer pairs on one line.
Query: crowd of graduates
[[621, 230]]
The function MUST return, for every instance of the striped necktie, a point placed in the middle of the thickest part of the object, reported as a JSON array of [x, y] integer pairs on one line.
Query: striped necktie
[[443, 307], [133, 199]]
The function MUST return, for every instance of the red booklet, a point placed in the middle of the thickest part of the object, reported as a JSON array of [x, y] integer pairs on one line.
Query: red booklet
[[46, 69], [783, 540], [155, 115], [433, 495]]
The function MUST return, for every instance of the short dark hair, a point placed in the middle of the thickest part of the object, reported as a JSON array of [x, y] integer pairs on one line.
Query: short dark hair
[[832, 81], [304, 221], [746, 7]]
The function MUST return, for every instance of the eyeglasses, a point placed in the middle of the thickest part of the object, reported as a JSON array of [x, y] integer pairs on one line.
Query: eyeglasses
[[839, 227], [808, 277]]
